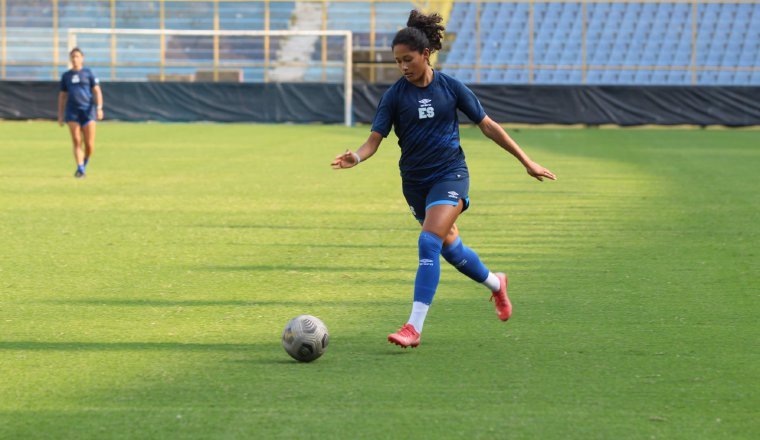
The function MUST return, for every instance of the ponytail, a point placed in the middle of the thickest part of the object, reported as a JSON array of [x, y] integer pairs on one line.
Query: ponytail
[[422, 32]]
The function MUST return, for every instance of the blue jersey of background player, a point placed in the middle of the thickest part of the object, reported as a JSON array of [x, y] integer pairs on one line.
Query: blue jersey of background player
[[80, 103], [422, 108]]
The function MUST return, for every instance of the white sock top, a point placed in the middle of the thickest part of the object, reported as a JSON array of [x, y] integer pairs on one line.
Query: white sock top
[[419, 312], [492, 282]]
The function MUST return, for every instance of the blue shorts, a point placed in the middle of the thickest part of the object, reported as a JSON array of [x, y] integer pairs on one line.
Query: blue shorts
[[80, 116], [448, 190]]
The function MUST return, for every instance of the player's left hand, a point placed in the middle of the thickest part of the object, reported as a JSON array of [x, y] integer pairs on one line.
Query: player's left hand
[[100, 114], [537, 171]]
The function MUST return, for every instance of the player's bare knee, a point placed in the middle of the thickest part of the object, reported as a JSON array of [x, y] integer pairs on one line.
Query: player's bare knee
[[452, 236], [439, 231]]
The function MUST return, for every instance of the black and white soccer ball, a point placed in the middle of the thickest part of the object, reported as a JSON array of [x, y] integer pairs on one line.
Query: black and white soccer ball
[[305, 338]]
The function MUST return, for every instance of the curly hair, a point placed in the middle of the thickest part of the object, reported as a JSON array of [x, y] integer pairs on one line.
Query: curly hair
[[422, 32]]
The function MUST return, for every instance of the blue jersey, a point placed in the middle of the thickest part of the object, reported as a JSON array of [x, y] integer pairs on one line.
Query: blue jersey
[[78, 84], [427, 125]]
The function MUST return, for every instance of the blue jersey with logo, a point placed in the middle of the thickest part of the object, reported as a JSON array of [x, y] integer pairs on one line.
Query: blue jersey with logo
[[78, 84], [426, 123]]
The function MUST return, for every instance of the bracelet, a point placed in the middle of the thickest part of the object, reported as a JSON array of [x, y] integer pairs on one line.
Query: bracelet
[[356, 156], [100, 107]]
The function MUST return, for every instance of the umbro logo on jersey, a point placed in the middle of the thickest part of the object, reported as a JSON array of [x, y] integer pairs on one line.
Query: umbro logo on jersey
[[75, 79], [425, 101], [453, 194]]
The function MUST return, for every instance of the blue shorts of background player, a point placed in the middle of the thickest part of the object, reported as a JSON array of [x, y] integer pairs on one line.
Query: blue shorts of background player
[[80, 116], [447, 190]]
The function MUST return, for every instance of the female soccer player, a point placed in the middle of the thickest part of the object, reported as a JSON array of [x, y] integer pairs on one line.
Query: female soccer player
[[422, 108], [78, 88]]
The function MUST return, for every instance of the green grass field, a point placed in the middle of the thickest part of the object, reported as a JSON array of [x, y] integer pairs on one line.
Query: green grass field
[[148, 300]]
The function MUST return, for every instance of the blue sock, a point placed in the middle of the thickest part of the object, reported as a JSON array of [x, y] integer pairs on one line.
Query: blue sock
[[465, 260], [86, 159], [80, 168], [429, 270]]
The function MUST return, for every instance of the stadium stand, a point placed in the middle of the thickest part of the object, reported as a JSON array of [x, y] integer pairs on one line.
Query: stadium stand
[[31, 33], [356, 17], [626, 42], [616, 42]]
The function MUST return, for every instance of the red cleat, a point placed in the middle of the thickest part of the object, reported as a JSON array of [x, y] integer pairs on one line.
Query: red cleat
[[503, 306], [406, 337]]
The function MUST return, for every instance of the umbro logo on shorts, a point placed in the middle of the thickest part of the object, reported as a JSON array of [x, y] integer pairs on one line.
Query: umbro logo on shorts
[[453, 194]]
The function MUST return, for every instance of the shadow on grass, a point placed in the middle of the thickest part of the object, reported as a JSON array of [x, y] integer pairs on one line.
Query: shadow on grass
[[290, 268], [254, 354], [380, 232], [123, 346], [219, 303], [410, 246], [364, 229], [281, 360]]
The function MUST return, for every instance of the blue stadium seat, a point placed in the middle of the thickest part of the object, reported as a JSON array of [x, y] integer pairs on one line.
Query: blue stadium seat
[[84, 15], [755, 78], [234, 16], [742, 78], [642, 77], [593, 76], [493, 76], [677, 77], [707, 78], [725, 77], [659, 77]]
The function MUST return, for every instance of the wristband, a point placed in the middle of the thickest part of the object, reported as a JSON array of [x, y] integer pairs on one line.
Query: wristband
[[356, 156], [100, 107]]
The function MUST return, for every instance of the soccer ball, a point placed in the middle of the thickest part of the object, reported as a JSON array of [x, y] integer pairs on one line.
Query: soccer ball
[[305, 338]]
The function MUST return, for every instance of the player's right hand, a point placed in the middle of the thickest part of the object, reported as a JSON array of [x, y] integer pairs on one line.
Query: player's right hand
[[345, 160]]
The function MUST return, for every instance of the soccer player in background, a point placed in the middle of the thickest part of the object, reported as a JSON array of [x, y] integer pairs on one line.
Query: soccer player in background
[[80, 103], [422, 108]]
